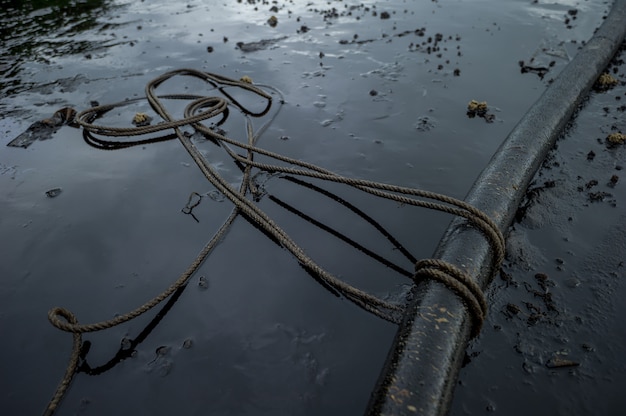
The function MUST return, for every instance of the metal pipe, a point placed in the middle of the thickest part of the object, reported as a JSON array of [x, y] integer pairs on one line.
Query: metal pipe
[[422, 367]]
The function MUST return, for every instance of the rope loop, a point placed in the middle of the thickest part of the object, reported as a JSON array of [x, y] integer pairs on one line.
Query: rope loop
[[70, 324], [460, 282], [54, 316]]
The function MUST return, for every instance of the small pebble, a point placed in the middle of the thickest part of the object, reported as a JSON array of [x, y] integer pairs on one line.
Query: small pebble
[[126, 343], [162, 350], [558, 362], [54, 192]]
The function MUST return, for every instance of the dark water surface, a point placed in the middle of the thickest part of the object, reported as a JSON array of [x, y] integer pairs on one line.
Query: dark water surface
[[365, 97]]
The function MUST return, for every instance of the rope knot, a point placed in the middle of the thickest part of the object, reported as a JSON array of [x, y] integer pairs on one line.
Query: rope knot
[[461, 283]]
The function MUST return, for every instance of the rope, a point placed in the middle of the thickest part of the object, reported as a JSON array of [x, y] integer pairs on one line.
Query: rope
[[71, 366], [460, 282], [202, 108]]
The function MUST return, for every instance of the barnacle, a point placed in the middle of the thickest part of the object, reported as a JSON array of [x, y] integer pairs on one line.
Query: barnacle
[[141, 119], [246, 79], [606, 81], [616, 138], [477, 107]]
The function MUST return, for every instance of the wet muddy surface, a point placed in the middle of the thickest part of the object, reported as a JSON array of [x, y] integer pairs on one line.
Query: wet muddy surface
[[374, 90], [554, 332]]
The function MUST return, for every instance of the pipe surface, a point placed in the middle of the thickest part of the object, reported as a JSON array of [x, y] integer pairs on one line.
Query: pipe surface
[[422, 367]]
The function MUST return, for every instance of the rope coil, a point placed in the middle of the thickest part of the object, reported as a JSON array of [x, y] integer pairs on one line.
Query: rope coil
[[202, 108], [460, 282]]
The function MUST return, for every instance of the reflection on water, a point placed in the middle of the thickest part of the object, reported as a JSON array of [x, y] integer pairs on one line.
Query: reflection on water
[[39, 31]]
